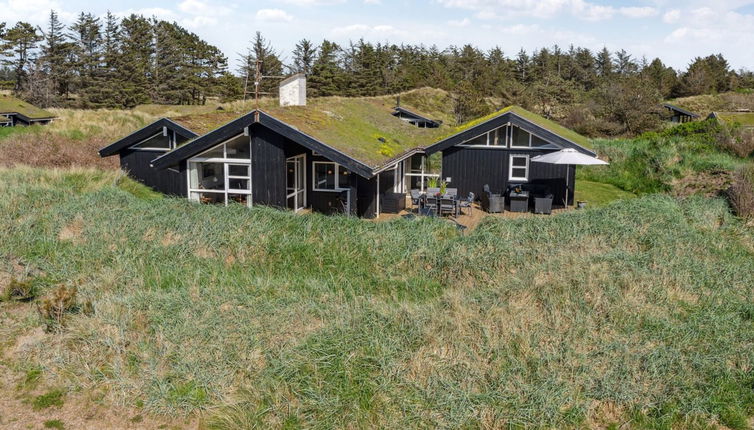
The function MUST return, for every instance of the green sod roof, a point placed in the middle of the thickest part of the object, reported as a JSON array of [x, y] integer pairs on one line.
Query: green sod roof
[[10, 104], [745, 119], [364, 127]]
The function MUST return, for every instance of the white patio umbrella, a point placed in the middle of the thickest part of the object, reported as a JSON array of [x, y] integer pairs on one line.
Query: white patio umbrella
[[570, 157]]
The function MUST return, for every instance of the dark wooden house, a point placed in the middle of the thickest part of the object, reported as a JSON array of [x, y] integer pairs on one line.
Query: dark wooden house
[[413, 118], [679, 114], [16, 112], [137, 150], [341, 155], [497, 152]]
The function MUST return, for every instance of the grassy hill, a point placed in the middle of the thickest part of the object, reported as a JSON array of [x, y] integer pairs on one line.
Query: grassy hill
[[256, 319], [705, 104]]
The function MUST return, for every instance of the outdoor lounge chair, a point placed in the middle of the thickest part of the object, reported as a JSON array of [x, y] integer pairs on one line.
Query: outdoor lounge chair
[[492, 203], [393, 203], [543, 204]]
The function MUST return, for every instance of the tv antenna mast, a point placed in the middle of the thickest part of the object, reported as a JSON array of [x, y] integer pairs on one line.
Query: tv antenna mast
[[257, 83]]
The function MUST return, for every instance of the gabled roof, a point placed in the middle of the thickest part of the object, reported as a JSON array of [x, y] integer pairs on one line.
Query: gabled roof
[[237, 126], [680, 110], [27, 111], [144, 133], [529, 121], [743, 118], [413, 115]]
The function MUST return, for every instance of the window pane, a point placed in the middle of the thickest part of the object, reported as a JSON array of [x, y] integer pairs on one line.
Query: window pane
[[499, 135], [416, 163], [239, 147], [155, 142], [520, 137], [212, 198], [480, 140], [537, 142], [216, 152], [238, 184], [518, 161], [324, 176], [180, 140], [210, 176], [518, 172], [238, 170], [344, 176], [238, 198]]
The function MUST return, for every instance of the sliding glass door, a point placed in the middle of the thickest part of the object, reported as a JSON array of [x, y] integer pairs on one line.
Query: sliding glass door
[[296, 182]]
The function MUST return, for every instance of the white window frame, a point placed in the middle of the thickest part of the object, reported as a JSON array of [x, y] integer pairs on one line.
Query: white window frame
[[423, 175], [336, 170], [490, 141], [511, 167], [226, 162]]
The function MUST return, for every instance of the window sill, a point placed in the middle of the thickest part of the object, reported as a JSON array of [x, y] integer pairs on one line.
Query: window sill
[[337, 190]]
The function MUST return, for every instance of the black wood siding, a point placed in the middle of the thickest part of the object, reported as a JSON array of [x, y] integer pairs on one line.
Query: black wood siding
[[471, 168], [268, 155], [366, 197], [168, 181]]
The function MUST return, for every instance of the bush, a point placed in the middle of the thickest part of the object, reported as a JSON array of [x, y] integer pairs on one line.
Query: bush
[[737, 140], [741, 194], [21, 291], [63, 301]]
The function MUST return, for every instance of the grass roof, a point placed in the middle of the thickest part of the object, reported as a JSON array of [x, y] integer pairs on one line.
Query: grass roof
[[10, 104], [745, 119], [364, 127]]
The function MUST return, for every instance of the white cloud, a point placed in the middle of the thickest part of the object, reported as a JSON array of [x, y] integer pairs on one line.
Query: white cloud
[[671, 16], [459, 22], [273, 15], [372, 1], [202, 8], [313, 2], [638, 12]]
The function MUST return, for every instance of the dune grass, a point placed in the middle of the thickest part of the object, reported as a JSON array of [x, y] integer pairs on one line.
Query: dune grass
[[638, 313], [597, 194]]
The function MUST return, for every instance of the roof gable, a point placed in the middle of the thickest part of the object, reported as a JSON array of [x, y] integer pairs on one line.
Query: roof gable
[[144, 133], [529, 121], [405, 113]]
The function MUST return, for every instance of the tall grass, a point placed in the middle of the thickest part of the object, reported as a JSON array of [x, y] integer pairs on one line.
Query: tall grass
[[639, 312]]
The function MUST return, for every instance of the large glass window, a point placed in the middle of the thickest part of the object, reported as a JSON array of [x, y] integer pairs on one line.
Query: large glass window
[[519, 168], [329, 176], [223, 173], [158, 142], [519, 138]]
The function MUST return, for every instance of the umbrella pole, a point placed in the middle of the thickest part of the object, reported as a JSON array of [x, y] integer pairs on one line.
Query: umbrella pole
[[568, 172]]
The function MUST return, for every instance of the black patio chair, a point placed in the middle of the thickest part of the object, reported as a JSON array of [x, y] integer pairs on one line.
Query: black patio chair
[[448, 206], [467, 203], [416, 199]]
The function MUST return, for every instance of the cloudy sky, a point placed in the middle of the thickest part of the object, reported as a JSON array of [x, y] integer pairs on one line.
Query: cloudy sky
[[676, 31]]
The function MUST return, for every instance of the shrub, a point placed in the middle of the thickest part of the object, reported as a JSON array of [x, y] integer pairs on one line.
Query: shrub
[[21, 291], [741, 194], [54, 424], [737, 140], [63, 301], [48, 400]]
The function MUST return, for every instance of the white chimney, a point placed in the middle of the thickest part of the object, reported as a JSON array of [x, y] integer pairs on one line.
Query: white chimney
[[293, 91]]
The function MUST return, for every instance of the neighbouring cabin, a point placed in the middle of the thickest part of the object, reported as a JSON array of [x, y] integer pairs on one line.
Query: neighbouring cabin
[[16, 112], [498, 153], [414, 118], [343, 156], [742, 118], [137, 150], [678, 114]]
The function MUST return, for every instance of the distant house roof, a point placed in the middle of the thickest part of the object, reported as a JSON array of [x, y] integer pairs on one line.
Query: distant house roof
[[27, 111], [680, 110], [144, 133], [743, 118], [415, 117]]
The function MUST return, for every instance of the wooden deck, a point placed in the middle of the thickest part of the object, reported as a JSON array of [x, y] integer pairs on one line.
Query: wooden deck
[[471, 219]]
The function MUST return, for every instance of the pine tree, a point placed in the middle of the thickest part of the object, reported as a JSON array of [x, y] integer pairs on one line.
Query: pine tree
[[269, 62], [604, 63], [327, 74], [87, 36], [18, 44], [624, 64], [54, 62], [304, 56], [522, 66], [111, 90], [134, 65]]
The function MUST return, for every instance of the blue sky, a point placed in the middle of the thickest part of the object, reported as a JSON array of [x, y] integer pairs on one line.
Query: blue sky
[[676, 31]]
